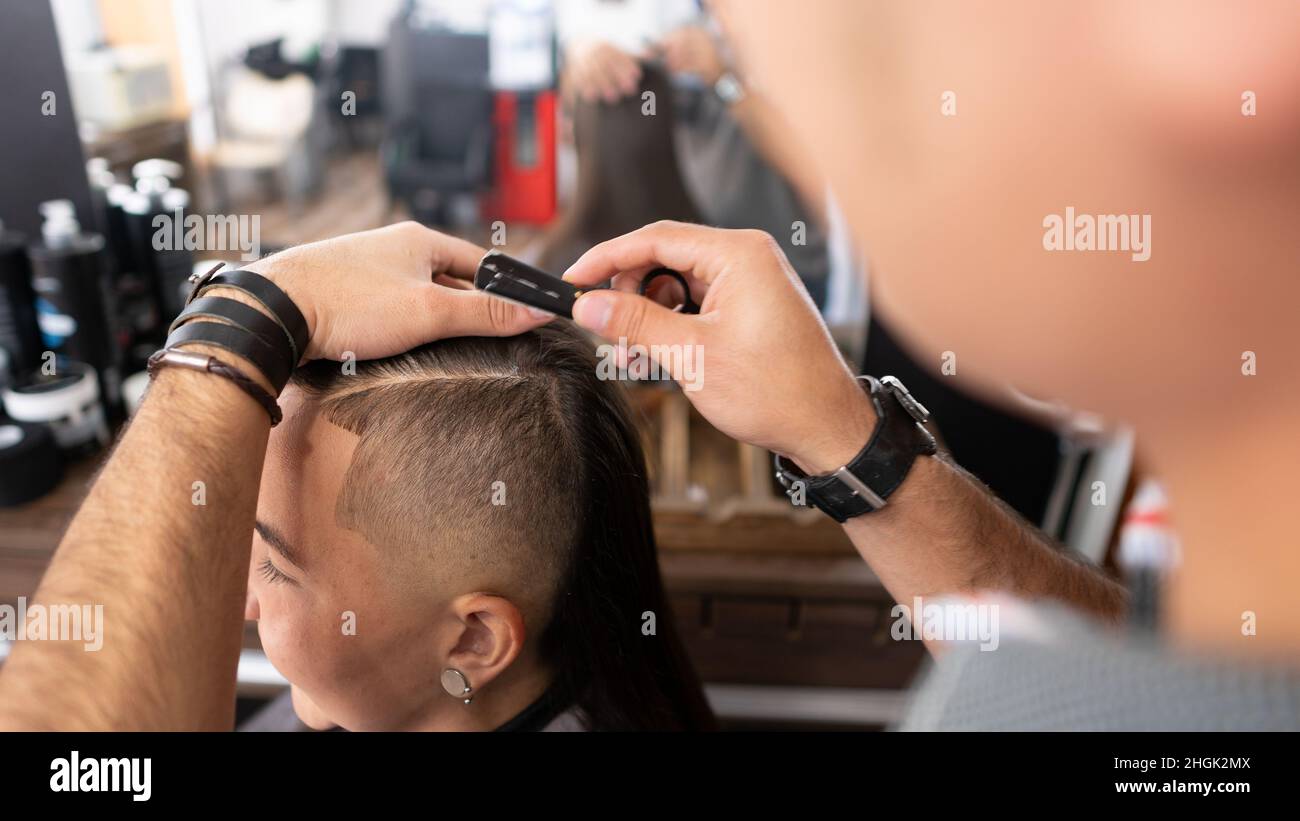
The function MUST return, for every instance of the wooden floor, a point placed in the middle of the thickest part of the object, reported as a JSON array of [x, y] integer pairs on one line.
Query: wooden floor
[[352, 198]]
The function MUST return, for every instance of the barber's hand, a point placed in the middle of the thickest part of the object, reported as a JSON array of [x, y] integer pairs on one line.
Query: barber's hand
[[771, 376], [692, 50], [379, 293], [596, 70]]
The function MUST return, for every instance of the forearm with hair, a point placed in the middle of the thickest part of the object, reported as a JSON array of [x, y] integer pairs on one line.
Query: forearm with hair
[[170, 573], [943, 532]]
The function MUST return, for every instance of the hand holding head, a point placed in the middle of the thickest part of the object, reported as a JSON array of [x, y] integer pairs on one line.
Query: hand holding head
[[379, 293]]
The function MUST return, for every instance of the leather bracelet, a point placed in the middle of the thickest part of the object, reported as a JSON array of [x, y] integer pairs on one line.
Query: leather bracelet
[[276, 301], [241, 316], [268, 359], [210, 364]]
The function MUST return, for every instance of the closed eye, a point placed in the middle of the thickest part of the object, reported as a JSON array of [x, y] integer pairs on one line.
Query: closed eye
[[272, 574]]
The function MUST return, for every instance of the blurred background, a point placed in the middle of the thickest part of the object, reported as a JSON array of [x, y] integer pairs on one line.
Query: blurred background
[[538, 126]]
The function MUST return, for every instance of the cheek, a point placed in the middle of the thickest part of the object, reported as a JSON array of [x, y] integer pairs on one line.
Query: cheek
[[346, 672], [298, 644], [299, 637]]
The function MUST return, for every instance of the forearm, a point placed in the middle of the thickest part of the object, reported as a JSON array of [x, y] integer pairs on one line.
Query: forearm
[[167, 558], [943, 532]]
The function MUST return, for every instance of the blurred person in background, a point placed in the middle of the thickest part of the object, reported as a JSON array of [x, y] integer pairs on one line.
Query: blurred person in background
[[738, 169], [628, 175]]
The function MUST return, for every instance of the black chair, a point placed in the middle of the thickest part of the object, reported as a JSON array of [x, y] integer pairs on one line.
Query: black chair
[[354, 70], [438, 112]]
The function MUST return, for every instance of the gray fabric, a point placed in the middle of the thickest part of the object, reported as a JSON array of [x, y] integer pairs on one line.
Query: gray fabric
[[1083, 680], [735, 188], [569, 721], [278, 717]]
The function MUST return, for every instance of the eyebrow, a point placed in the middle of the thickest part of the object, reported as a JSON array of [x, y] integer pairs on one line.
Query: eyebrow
[[275, 540]]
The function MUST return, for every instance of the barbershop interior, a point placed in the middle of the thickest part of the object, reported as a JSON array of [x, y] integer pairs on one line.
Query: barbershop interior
[[144, 143]]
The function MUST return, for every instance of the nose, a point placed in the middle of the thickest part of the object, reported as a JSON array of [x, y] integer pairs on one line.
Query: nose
[[252, 612]]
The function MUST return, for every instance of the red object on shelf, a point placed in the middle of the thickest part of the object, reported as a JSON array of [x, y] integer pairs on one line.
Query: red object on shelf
[[523, 187]]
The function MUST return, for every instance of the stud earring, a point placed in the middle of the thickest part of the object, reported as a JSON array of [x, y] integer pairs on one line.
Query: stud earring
[[456, 685]]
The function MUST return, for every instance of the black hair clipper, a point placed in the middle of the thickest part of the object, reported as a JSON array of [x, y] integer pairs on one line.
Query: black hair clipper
[[508, 278]]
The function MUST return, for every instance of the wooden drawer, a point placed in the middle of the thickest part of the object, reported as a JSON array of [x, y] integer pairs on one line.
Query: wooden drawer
[[795, 641]]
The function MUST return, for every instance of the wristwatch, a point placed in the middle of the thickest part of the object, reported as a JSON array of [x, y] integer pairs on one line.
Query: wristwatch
[[866, 482]]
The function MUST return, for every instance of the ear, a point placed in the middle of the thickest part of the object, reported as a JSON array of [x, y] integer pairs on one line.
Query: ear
[[491, 637]]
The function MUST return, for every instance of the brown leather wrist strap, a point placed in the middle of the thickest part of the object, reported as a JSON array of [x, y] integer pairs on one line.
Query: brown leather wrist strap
[[210, 364]]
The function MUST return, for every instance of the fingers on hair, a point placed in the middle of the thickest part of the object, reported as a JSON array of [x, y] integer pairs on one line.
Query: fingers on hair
[[446, 254], [474, 313], [459, 258]]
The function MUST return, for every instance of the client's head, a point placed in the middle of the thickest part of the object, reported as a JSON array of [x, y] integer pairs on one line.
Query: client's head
[[474, 504]]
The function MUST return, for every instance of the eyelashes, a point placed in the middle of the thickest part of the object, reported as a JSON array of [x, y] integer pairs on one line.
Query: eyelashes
[[272, 574]]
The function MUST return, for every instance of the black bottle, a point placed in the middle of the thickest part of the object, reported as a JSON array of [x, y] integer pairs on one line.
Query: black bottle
[[73, 305], [19, 335]]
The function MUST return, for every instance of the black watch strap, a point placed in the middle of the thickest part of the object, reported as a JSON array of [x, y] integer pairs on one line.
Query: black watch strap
[[270, 360], [266, 292], [866, 482]]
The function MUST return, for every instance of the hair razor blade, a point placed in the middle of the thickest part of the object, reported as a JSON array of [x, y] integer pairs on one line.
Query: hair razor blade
[[508, 278]]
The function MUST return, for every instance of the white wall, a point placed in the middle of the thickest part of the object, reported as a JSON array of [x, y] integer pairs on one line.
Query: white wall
[[77, 22], [363, 22]]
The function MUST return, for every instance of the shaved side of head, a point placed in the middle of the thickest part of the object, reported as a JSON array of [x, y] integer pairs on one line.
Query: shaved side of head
[[465, 467]]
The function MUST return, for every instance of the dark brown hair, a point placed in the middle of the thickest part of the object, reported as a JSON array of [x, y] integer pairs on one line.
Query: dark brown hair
[[440, 425], [628, 175]]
